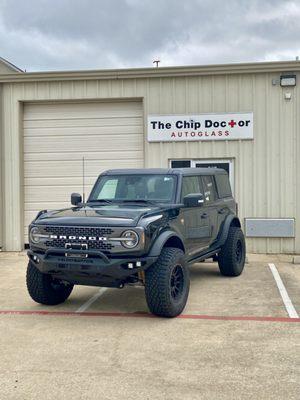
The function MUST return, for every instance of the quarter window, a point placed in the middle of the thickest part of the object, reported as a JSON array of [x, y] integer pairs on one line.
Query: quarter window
[[223, 185]]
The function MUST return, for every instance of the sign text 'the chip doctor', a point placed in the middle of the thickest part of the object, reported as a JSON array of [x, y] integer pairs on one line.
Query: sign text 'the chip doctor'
[[227, 126]]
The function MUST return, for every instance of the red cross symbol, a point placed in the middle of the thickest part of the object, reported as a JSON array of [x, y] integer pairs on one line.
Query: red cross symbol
[[232, 123]]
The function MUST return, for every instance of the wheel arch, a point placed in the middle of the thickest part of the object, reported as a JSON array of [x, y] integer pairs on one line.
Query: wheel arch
[[166, 239], [175, 241], [231, 220]]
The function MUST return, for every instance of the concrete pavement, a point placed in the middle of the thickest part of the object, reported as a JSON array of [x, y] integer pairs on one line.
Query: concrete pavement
[[75, 357]]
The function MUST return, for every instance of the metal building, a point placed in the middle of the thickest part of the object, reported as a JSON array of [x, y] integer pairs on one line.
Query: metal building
[[242, 117]]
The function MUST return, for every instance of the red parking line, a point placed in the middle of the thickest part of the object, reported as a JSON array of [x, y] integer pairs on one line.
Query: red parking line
[[147, 315]]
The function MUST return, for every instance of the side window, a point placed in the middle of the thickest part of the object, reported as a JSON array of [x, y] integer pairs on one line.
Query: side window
[[209, 188], [190, 184], [223, 185]]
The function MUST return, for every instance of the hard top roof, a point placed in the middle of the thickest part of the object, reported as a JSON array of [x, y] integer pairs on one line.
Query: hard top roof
[[165, 171]]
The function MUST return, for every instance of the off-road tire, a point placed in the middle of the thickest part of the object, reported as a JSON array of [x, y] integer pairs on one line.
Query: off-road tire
[[162, 279], [44, 289], [231, 258]]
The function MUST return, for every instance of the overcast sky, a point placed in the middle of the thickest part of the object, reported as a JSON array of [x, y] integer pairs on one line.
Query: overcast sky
[[94, 34]]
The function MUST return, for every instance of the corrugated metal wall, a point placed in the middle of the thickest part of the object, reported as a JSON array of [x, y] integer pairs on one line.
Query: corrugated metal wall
[[267, 170]]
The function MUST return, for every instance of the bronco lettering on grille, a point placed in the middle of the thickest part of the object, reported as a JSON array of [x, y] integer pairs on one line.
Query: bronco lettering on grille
[[72, 237]]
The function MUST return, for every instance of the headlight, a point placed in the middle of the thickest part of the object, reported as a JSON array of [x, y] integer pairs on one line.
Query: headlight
[[132, 239], [35, 236]]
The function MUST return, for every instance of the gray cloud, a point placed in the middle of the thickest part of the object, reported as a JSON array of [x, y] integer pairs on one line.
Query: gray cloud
[[79, 34]]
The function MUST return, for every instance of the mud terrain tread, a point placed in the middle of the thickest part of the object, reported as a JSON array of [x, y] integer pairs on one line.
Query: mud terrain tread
[[157, 284], [40, 288], [226, 258]]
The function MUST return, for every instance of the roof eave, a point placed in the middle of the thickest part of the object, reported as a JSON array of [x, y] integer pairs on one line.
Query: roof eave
[[135, 73], [10, 65]]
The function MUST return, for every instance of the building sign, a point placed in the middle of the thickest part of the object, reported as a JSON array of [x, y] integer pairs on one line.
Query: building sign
[[174, 128]]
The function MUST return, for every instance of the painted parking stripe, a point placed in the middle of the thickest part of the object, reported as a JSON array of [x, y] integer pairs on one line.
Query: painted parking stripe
[[147, 315], [283, 293], [92, 300]]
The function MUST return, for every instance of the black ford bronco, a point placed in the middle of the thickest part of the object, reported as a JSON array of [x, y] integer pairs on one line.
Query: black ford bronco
[[142, 226]]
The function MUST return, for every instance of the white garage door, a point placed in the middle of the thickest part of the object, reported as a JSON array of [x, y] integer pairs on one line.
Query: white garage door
[[58, 135]]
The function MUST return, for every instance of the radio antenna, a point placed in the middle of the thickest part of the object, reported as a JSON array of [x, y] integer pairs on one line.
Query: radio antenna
[[83, 181]]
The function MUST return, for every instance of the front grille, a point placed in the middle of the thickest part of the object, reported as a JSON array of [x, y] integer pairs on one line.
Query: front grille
[[79, 231], [60, 243]]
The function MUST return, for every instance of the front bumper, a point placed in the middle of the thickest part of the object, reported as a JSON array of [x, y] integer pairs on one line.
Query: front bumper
[[95, 269]]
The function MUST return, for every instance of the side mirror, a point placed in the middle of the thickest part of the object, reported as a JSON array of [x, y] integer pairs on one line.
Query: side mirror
[[193, 200], [76, 199]]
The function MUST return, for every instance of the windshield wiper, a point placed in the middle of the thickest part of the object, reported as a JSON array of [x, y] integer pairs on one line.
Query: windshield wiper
[[143, 201], [100, 201]]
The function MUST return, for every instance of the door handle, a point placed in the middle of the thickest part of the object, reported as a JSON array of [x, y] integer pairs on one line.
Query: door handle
[[204, 215], [222, 211]]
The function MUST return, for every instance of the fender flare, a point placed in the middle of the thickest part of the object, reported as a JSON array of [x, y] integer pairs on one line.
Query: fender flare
[[161, 240], [231, 220]]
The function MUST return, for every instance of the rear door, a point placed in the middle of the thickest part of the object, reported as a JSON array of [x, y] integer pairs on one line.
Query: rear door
[[210, 204], [225, 202], [226, 164]]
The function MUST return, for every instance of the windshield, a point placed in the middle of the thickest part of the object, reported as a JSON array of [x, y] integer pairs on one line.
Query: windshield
[[158, 188]]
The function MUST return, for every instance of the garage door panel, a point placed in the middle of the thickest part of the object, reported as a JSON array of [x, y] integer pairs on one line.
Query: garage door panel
[[82, 110], [59, 181], [82, 122], [81, 131], [91, 155], [53, 205], [52, 193], [88, 143], [58, 135], [73, 169]]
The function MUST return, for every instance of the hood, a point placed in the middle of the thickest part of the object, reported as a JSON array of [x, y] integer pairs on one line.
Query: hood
[[107, 214]]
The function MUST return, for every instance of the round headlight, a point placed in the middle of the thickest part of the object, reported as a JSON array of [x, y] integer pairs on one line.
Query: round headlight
[[132, 239], [34, 235]]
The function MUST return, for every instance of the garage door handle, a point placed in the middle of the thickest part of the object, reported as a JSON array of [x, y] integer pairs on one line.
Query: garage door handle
[[204, 216]]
